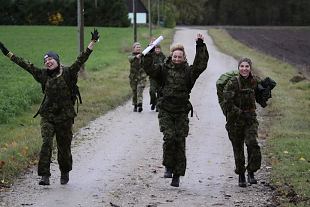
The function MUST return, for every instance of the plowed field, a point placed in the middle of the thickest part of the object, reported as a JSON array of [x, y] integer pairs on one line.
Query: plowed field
[[291, 44]]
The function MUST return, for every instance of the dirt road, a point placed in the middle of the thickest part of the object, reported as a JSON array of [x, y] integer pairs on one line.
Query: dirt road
[[117, 158]]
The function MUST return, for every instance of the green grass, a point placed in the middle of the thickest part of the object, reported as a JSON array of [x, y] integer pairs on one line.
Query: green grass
[[288, 120], [21, 95]]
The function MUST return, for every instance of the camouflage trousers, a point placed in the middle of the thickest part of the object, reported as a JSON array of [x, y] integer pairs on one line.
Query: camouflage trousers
[[153, 91], [175, 128], [240, 134], [137, 87], [63, 132]]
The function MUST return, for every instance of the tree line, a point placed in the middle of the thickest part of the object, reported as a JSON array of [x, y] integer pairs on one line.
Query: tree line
[[171, 12], [63, 12]]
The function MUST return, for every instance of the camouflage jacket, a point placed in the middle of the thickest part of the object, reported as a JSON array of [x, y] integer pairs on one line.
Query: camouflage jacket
[[176, 81], [57, 104], [159, 58], [136, 70], [239, 95]]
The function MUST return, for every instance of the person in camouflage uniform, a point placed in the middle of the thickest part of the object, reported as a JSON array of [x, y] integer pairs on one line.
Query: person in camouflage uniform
[[137, 77], [177, 78], [57, 108], [159, 58], [242, 125]]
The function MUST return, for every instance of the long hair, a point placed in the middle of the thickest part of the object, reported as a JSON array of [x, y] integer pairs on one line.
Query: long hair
[[245, 59]]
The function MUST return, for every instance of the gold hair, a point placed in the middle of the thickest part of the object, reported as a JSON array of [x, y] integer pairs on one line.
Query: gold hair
[[135, 44], [176, 47]]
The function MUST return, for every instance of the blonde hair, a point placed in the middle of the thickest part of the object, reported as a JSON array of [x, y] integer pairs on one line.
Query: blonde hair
[[176, 47], [135, 44]]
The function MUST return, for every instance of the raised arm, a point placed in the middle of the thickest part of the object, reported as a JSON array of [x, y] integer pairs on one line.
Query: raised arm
[[83, 57], [201, 58], [28, 66], [153, 70]]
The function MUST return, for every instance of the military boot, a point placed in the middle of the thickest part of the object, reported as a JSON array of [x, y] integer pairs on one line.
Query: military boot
[[251, 178], [153, 107], [168, 173], [64, 178], [140, 109], [45, 180], [242, 181], [175, 181], [135, 108]]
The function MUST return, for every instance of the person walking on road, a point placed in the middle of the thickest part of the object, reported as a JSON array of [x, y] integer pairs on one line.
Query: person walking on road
[[159, 58], [242, 125], [137, 77], [176, 78], [57, 108]]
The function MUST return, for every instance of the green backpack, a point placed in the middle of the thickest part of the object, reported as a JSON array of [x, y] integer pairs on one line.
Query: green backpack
[[220, 84]]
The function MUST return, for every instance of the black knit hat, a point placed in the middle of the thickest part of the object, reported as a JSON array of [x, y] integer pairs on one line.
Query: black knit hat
[[53, 55]]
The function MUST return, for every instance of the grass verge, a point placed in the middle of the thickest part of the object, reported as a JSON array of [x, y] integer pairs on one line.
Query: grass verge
[[288, 126], [106, 68]]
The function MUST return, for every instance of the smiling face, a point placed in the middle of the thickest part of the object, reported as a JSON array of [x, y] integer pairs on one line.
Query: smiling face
[[178, 57], [244, 69], [157, 50], [50, 63], [137, 48]]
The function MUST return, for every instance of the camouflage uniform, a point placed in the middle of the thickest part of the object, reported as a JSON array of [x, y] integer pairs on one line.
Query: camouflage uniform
[[242, 125], [56, 111], [154, 85], [176, 82], [137, 78]]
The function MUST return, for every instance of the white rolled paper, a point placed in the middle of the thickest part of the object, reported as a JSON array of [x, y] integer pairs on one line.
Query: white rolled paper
[[153, 44]]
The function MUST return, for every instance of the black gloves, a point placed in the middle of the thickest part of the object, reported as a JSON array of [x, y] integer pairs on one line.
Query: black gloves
[[263, 91], [266, 94], [3, 49], [95, 35], [199, 42]]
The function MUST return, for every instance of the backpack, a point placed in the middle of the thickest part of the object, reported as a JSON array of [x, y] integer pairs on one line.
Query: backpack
[[220, 84]]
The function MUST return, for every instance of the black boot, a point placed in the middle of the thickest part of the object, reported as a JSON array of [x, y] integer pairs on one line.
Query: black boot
[[140, 109], [135, 108], [45, 180], [153, 107], [251, 178], [242, 181], [175, 181], [64, 178], [168, 173]]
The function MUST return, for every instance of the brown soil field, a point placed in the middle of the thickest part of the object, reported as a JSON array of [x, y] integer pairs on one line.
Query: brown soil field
[[291, 44]]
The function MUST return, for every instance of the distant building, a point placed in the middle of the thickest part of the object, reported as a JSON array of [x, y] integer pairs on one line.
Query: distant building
[[141, 11]]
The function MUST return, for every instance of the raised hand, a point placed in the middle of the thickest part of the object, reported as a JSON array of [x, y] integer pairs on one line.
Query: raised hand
[[95, 35], [199, 39]]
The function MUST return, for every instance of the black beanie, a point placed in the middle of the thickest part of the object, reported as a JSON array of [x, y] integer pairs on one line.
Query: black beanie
[[53, 55]]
